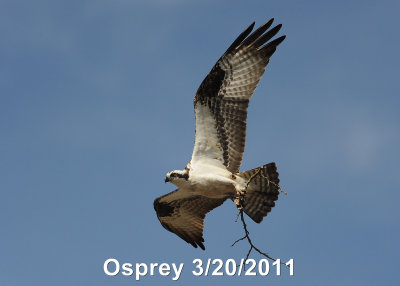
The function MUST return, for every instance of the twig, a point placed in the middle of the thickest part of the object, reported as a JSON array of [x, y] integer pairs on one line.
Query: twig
[[247, 233], [258, 172], [247, 236]]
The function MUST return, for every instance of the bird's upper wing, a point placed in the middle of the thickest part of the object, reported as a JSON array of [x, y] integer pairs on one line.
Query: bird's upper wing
[[221, 101], [183, 214]]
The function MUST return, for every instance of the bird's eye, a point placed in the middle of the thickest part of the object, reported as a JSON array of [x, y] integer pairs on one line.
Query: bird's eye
[[172, 175]]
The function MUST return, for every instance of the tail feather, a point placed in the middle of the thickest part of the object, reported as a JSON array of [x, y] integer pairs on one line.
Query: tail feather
[[262, 191]]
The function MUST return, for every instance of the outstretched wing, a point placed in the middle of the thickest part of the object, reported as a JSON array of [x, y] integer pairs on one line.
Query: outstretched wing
[[183, 213], [221, 101]]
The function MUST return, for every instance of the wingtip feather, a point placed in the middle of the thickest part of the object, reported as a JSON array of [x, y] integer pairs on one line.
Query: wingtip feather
[[278, 41], [201, 245], [267, 36], [240, 38], [257, 33]]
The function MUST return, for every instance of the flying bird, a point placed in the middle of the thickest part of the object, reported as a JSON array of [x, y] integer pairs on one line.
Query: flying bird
[[212, 175]]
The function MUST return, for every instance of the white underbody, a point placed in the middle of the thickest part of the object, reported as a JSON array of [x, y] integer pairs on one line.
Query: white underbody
[[211, 182], [208, 176]]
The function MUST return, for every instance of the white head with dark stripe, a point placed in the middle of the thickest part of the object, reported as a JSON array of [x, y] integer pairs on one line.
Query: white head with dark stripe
[[178, 177]]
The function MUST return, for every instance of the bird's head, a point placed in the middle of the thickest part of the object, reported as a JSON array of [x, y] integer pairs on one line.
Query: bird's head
[[177, 176]]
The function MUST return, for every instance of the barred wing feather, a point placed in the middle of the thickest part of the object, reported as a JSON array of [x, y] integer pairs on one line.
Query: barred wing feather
[[222, 99]]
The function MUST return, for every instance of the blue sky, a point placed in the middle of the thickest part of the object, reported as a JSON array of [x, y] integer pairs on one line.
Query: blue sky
[[96, 107]]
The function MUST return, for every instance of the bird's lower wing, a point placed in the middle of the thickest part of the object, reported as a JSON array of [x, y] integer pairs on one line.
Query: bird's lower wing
[[183, 214]]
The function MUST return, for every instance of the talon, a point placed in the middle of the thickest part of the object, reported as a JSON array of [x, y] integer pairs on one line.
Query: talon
[[240, 193], [239, 199], [238, 204]]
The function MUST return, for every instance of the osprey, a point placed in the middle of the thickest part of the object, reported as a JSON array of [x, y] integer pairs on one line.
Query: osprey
[[212, 175]]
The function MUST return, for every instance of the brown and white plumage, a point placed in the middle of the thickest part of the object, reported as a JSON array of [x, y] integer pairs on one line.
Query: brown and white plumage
[[184, 215], [226, 91], [212, 174]]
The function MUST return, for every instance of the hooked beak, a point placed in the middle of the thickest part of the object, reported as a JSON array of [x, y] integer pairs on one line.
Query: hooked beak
[[166, 179]]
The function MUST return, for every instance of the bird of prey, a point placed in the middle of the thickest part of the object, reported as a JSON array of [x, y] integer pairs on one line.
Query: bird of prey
[[212, 175]]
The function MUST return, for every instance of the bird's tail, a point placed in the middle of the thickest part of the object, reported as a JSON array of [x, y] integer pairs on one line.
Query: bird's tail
[[262, 191]]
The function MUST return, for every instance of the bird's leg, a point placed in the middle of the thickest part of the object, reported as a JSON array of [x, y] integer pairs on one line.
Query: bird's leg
[[239, 197]]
